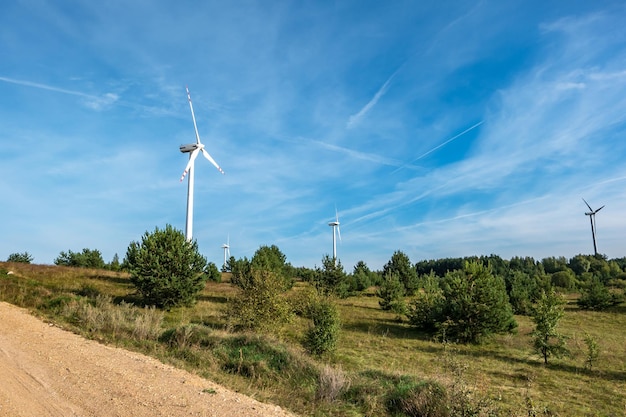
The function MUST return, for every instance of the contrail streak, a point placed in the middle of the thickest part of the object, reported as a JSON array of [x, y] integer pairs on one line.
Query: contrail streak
[[356, 118], [443, 144], [46, 87]]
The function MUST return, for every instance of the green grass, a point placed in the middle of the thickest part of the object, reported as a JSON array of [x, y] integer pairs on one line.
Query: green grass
[[377, 361]]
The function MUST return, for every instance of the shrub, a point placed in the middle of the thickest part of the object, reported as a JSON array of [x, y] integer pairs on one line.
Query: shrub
[[426, 398], [88, 258], [147, 324], [597, 296], [261, 304], [546, 315], [476, 305], [331, 278], [241, 272], [593, 352], [400, 266], [166, 269], [322, 336], [253, 356], [213, 273], [187, 335], [362, 277], [563, 279], [24, 258], [332, 382], [521, 288], [391, 292], [424, 312], [472, 305], [270, 258]]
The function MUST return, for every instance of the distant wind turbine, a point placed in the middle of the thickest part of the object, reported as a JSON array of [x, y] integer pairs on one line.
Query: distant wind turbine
[[193, 149], [592, 217], [226, 247], [336, 233]]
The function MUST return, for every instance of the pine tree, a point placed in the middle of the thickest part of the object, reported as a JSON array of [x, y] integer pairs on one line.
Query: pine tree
[[546, 315], [476, 304], [166, 269]]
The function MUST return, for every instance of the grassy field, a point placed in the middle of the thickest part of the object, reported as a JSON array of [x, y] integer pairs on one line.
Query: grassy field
[[377, 354]]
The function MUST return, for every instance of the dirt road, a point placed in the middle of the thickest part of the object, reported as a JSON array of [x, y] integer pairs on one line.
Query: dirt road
[[46, 371]]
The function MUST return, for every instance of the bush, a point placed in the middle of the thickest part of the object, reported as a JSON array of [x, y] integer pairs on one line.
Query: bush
[[598, 297], [166, 269], [331, 278], [261, 304], [322, 336], [546, 315], [88, 258], [332, 382], [362, 277], [564, 279], [270, 258], [391, 292], [472, 305], [521, 289], [476, 304], [425, 310], [213, 273], [426, 398], [24, 258], [253, 356], [400, 266]]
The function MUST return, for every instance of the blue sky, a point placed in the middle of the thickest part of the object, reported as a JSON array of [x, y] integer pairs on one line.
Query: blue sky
[[441, 129]]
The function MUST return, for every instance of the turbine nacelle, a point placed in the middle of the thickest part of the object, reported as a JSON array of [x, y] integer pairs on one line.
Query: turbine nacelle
[[190, 147]]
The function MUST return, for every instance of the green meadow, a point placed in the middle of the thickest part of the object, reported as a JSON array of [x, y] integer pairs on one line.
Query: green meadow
[[379, 356]]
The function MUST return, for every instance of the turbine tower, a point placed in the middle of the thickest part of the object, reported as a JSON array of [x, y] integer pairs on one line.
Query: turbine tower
[[592, 217], [193, 149], [226, 247], [336, 232]]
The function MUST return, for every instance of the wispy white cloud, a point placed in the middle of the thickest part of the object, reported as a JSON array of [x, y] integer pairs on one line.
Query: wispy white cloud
[[370, 157], [356, 118], [92, 101], [469, 129], [550, 98]]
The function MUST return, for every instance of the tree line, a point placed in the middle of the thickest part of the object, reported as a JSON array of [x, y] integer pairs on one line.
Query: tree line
[[458, 299]]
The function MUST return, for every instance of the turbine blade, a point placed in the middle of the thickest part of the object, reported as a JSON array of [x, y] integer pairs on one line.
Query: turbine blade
[[590, 209], [193, 116], [598, 210], [338, 232], [192, 158], [211, 160]]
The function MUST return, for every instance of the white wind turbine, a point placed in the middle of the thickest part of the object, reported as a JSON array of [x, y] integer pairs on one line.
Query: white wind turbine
[[226, 247], [193, 149], [336, 233]]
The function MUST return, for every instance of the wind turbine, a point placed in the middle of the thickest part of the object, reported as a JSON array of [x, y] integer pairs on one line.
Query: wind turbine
[[193, 149], [592, 217], [336, 232], [226, 247]]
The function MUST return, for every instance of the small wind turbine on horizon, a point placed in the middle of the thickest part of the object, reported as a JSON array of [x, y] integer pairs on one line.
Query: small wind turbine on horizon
[[336, 233], [592, 217], [226, 247], [193, 149]]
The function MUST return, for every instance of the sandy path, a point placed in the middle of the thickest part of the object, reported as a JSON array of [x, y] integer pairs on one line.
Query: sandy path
[[46, 371]]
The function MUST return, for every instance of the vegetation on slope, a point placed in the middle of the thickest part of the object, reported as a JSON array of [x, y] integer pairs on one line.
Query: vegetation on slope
[[380, 364]]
